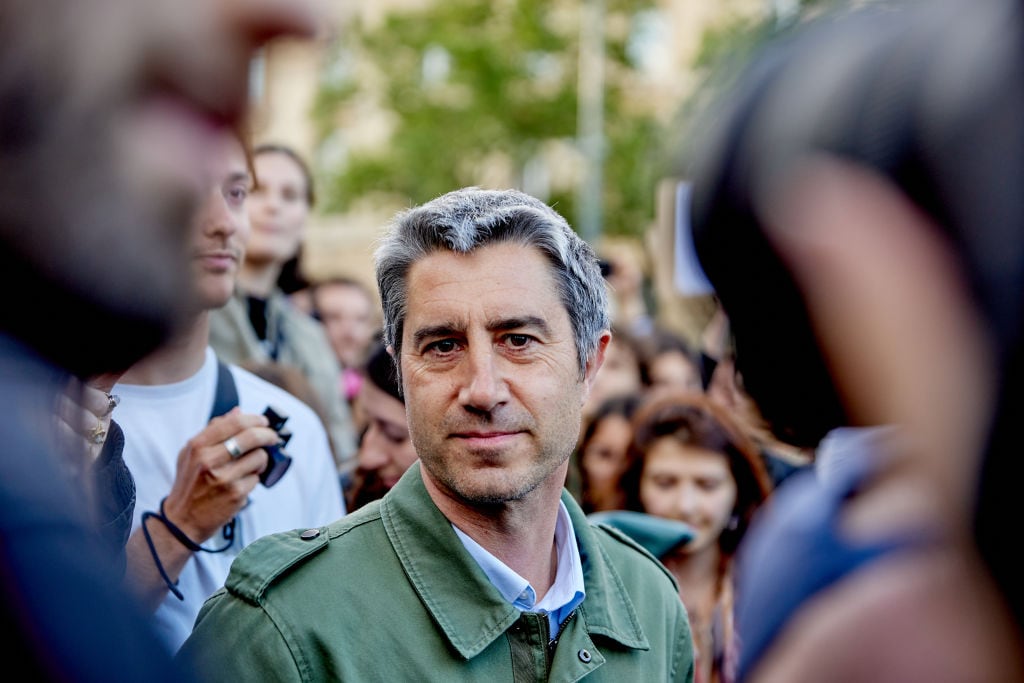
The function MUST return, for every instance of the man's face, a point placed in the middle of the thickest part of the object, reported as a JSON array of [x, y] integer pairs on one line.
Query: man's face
[[278, 209], [385, 447], [108, 109], [490, 372], [220, 229], [347, 313]]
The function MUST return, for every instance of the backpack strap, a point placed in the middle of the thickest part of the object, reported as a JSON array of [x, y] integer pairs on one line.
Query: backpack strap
[[226, 396]]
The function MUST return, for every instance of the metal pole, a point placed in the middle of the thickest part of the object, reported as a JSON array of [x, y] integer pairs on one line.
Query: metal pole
[[590, 119]]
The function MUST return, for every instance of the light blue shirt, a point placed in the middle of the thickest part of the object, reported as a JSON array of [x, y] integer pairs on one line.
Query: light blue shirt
[[565, 594], [843, 444]]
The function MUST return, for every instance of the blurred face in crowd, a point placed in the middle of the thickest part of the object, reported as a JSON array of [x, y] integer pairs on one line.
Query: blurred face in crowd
[[674, 369], [491, 373], [349, 316], [107, 111], [690, 484], [604, 456], [221, 227], [278, 209], [386, 447]]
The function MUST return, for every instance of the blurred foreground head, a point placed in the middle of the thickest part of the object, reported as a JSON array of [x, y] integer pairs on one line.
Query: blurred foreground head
[[857, 208], [930, 97], [107, 108]]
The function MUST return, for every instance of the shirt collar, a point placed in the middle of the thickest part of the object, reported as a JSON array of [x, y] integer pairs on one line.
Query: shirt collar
[[461, 598], [565, 594]]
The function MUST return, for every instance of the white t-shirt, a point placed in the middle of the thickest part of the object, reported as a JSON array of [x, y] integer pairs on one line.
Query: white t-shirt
[[157, 422]]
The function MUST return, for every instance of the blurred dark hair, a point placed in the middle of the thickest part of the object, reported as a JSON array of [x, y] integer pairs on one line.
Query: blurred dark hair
[[291, 279], [889, 88], [929, 95], [380, 369]]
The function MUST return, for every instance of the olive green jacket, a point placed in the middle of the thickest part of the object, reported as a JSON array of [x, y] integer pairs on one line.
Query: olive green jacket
[[389, 593]]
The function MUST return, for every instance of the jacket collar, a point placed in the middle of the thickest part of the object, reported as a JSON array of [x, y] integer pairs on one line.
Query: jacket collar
[[467, 608]]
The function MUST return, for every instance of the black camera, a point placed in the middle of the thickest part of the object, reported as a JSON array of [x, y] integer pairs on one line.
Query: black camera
[[278, 461]]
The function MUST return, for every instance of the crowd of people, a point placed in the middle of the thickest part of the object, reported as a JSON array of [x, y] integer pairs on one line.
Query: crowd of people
[[499, 463]]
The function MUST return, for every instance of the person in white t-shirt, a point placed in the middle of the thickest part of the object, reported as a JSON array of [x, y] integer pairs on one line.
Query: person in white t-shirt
[[200, 499]]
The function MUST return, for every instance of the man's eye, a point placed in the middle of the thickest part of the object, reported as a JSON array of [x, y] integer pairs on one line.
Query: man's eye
[[236, 194], [518, 340], [442, 346]]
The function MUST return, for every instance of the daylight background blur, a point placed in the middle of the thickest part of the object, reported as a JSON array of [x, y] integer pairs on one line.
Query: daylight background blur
[[582, 103]]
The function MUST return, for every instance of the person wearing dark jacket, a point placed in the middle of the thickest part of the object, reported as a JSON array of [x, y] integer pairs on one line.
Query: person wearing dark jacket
[[106, 108]]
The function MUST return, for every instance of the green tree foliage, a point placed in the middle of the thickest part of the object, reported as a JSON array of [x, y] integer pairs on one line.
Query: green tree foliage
[[464, 83]]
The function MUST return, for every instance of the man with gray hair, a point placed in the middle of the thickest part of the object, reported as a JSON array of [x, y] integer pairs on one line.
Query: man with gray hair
[[477, 565]]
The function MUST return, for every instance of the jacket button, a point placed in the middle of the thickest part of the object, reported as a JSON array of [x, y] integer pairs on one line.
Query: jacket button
[[584, 656], [309, 534]]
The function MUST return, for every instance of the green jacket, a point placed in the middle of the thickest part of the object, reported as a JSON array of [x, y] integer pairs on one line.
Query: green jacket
[[389, 593]]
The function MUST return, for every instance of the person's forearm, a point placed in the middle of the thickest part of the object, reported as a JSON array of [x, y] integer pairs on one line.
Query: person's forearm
[[143, 573]]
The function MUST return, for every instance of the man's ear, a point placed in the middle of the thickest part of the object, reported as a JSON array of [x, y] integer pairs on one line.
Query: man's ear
[[595, 361]]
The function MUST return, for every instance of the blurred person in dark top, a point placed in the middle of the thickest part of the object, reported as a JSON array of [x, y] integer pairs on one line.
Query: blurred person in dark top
[[857, 209], [107, 108]]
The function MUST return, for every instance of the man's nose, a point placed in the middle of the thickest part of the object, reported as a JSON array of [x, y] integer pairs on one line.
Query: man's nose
[[221, 220], [483, 386]]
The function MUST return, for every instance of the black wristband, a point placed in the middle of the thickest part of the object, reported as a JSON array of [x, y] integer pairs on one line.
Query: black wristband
[[182, 537], [176, 532]]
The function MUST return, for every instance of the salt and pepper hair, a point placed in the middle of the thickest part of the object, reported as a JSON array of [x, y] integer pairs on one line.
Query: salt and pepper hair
[[464, 220]]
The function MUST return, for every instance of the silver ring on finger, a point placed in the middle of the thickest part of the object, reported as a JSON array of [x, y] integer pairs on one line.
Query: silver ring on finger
[[233, 449]]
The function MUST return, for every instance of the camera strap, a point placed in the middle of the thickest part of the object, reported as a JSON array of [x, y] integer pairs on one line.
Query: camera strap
[[226, 396]]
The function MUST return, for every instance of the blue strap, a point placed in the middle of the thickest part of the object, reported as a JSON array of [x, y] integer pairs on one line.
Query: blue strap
[[226, 396]]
